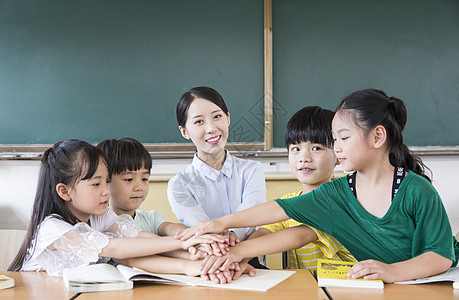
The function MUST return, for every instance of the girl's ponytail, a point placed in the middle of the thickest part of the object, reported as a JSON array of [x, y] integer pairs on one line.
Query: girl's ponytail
[[373, 107], [399, 154]]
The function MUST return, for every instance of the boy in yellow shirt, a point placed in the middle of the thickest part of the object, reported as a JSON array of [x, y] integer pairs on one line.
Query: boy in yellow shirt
[[312, 160]]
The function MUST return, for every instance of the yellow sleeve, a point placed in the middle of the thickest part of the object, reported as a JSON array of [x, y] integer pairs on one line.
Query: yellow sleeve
[[275, 226], [345, 255], [331, 248], [284, 224]]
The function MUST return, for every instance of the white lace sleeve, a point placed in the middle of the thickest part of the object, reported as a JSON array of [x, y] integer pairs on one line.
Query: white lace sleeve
[[79, 246], [123, 226]]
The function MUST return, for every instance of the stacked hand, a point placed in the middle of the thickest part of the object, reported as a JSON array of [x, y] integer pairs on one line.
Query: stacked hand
[[207, 239], [212, 226], [219, 263], [227, 267], [212, 264], [211, 271]]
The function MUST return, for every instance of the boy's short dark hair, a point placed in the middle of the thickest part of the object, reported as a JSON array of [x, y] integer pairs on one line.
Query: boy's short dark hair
[[125, 154], [310, 124]]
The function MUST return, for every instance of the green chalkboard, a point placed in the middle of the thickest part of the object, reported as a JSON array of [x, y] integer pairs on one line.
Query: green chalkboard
[[97, 69], [324, 50]]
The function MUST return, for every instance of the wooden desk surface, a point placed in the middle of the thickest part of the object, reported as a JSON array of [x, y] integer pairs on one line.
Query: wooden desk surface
[[34, 285], [439, 290], [38, 285]]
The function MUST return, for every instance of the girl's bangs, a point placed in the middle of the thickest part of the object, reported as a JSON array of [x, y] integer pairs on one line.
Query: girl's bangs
[[89, 163]]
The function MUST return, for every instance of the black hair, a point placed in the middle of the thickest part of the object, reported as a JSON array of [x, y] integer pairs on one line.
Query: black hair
[[66, 162], [310, 124], [369, 108], [125, 154], [198, 92]]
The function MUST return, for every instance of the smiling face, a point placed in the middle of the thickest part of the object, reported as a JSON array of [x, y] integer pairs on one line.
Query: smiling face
[[207, 127], [90, 197], [128, 190], [311, 163], [351, 145]]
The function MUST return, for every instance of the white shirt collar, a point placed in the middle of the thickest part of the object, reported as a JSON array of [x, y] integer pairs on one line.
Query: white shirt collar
[[210, 172]]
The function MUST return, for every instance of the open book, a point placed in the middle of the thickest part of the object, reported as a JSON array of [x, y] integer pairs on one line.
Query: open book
[[106, 277], [451, 275], [333, 273]]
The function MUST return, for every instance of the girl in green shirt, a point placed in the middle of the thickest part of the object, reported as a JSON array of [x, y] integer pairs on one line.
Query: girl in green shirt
[[386, 212]]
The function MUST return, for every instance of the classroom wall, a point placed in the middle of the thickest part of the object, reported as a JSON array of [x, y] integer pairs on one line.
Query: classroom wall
[[18, 179]]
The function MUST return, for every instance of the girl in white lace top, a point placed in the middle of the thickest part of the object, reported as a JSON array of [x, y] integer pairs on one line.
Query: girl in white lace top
[[72, 226]]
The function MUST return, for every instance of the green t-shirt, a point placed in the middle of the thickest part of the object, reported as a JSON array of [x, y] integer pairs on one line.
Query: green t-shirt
[[416, 221], [149, 220]]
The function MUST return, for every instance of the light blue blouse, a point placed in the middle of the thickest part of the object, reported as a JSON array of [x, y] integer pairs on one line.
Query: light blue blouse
[[201, 193]]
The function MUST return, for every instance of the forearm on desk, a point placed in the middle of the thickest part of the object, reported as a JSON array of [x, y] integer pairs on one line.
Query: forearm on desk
[[426, 264]]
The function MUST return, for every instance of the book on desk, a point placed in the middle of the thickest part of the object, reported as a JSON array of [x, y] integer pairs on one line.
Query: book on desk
[[6, 282], [106, 277], [333, 273], [451, 275]]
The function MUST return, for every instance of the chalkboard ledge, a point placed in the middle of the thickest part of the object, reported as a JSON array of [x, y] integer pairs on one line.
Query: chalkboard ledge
[[268, 176], [157, 150], [182, 150]]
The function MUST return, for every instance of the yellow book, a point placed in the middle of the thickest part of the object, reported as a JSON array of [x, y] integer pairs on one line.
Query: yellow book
[[6, 282], [333, 273]]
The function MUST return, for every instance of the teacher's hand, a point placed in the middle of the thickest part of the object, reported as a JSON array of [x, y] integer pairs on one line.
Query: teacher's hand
[[212, 226]]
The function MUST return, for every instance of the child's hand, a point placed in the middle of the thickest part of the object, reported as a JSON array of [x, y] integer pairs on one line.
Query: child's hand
[[220, 277], [204, 239], [215, 248], [212, 264], [196, 254], [219, 249], [206, 248], [231, 236], [244, 268], [373, 269], [212, 226]]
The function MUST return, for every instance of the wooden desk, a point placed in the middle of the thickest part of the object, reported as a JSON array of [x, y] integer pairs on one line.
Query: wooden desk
[[34, 285], [38, 285], [437, 291]]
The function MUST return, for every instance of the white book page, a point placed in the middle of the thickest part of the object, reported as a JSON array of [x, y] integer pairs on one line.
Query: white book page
[[451, 275], [93, 273], [139, 274], [263, 281]]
